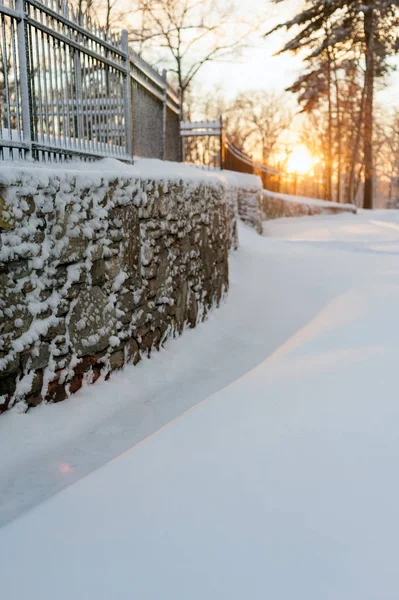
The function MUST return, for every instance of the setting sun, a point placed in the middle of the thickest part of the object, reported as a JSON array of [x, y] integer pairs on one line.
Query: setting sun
[[300, 161]]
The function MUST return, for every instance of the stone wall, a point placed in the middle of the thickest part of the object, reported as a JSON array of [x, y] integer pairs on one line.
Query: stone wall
[[97, 268], [248, 197], [276, 206], [249, 208]]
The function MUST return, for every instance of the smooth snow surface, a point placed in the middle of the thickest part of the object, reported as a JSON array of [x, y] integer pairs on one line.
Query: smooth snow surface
[[144, 168], [281, 485]]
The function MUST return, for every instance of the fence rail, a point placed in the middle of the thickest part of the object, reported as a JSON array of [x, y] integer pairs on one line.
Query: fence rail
[[203, 142], [70, 88], [206, 144]]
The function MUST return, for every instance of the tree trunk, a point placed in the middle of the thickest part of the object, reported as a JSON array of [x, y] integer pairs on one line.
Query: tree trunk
[[357, 182], [368, 112], [355, 150], [108, 19], [329, 142], [182, 115], [339, 132]]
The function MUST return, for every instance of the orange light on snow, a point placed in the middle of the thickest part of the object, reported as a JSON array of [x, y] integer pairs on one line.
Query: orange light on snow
[[64, 468]]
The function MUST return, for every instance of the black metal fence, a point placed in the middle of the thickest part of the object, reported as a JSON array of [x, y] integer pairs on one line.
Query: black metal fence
[[70, 88]]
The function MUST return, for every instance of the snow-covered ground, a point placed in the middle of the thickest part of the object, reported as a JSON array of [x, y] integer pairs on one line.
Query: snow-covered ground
[[280, 485]]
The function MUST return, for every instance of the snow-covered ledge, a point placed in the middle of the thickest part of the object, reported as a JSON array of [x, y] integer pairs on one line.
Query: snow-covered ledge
[[99, 263], [276, 206]]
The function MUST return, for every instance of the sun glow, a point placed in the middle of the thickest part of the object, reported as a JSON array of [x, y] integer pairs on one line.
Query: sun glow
[[300, 160]]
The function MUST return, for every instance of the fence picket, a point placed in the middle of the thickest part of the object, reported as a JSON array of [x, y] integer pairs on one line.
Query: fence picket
[[66, 87], [24, 78]]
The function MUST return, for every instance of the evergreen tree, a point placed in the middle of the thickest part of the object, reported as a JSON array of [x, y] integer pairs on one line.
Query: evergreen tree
[[365, 27]]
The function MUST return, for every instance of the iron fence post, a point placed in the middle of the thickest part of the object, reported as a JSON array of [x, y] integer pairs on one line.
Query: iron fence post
[[78, 100], [164, 113], [127, 95], [221, 144], [74, 92], [24, 75], [182, 140]]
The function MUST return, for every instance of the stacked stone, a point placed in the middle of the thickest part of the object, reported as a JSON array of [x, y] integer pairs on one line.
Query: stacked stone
[[275, 207], [244, 193], [96, 273], [249, 207], [232, 207]]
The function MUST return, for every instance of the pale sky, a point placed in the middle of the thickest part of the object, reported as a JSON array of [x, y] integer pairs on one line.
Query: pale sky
[[259, 69]]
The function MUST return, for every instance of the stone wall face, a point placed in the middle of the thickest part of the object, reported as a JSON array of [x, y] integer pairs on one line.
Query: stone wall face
[[273, 206], [245, 195], [96, 271], [249, 207], [232, 211]]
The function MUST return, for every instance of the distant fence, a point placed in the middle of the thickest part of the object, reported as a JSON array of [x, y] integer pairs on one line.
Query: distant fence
[[202, 143], [236, 160], [206, 144], [68, 88]]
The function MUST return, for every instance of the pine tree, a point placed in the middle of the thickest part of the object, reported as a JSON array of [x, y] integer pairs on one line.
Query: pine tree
[[367, 27]]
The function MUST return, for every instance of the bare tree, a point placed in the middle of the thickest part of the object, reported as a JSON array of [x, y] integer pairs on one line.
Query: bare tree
[[190, 33], [256, 120], [387, 159], [112, 16], [253, 120], [85, 8], [315, 136], [393, 145]]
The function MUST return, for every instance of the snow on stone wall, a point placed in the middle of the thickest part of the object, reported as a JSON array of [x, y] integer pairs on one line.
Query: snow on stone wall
[[99, 267], [232, 207], [248, 199], [276, 206]]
